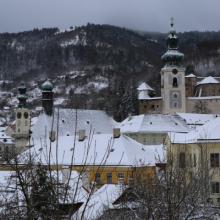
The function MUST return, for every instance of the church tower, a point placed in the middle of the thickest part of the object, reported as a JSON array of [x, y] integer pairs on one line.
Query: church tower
[[23, 120], [47, 97], [173, 76]]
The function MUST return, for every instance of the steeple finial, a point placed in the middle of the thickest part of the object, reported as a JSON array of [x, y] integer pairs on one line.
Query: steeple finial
[[171, 22], [172, 56]]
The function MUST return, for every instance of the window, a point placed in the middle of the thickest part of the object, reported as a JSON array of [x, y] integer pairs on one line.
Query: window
[[19, 115], [175, 83], [182, 160], [214, 160], [194, 160], [215, 187], [98, 178], [175, 104], [175, 96], [26, 115], [109, 178], [120, 175]]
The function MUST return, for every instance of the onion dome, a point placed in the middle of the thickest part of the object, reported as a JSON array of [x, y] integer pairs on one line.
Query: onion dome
[[22, 97], [172, 56], [47, 86]]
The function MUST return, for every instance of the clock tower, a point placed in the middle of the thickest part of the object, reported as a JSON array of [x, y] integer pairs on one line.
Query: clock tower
[[23, 121], [173, 76]]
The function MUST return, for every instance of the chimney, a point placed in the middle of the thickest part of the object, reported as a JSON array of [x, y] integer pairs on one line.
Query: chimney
[[116, 132], [82, 135]]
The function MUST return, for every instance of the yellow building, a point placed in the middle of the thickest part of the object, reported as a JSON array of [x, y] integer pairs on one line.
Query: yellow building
[[198, 151], [102, 158]]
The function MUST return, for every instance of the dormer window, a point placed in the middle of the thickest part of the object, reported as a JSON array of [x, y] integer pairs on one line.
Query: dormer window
[[175, 83]]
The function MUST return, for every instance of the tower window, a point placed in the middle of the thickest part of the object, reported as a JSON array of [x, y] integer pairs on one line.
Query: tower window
[[19, 115], [175, 83], [175, 95], [26, 115]]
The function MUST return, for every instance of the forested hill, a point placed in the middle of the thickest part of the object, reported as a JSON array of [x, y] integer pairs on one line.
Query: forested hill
[[117, 57], [51, 51]]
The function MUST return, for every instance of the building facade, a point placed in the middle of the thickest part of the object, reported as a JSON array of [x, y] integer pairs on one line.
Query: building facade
[[179, 93]]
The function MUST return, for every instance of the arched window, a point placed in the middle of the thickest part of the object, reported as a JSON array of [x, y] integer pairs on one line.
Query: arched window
[[175, 83], [175, 95]]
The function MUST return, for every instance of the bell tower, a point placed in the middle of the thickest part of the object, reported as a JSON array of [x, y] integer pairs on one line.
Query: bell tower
[[47, 97], [23, 120], [173, 76]]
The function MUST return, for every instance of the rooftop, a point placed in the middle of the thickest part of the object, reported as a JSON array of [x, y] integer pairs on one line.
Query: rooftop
[[153, 123], [144, 86], [208, 80], [209, 132], [71, 120], [97, 149]]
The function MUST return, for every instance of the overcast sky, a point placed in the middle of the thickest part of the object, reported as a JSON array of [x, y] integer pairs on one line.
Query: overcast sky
[[148, 15]]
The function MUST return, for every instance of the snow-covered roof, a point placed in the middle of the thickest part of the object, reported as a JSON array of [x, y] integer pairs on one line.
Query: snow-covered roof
[[208, 80], [144, 86], [196, 119], [144, 95], [190, 76], [153, 123], [102, 199], [71, 120], [203, 97], [209, 132], [97, 149], [6, 139]]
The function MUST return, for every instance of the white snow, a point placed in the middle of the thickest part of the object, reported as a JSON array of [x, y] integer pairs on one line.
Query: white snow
[[97, 149], [76, 40], [99, 202], [144, 86], [70, 120], [209, 132], [194, 120], [204, 97], [153, 123], [143, 92], [190, 76], [208, 80]]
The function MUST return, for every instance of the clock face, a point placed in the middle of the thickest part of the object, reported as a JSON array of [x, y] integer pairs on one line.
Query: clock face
[[175, 71]]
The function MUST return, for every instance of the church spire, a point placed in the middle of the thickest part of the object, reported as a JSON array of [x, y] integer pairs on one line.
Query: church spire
[[172, 56], [22, 97]]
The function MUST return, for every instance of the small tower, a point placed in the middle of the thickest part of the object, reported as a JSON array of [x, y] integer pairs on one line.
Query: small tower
[[47, 97], [148, 104], [23, 120], [173, 76]]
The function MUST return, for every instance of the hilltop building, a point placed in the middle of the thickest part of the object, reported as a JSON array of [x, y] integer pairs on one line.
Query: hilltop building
[[179, 93]]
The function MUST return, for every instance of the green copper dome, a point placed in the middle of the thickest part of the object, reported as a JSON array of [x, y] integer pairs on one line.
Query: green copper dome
[[47, 86], [172, 56]]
